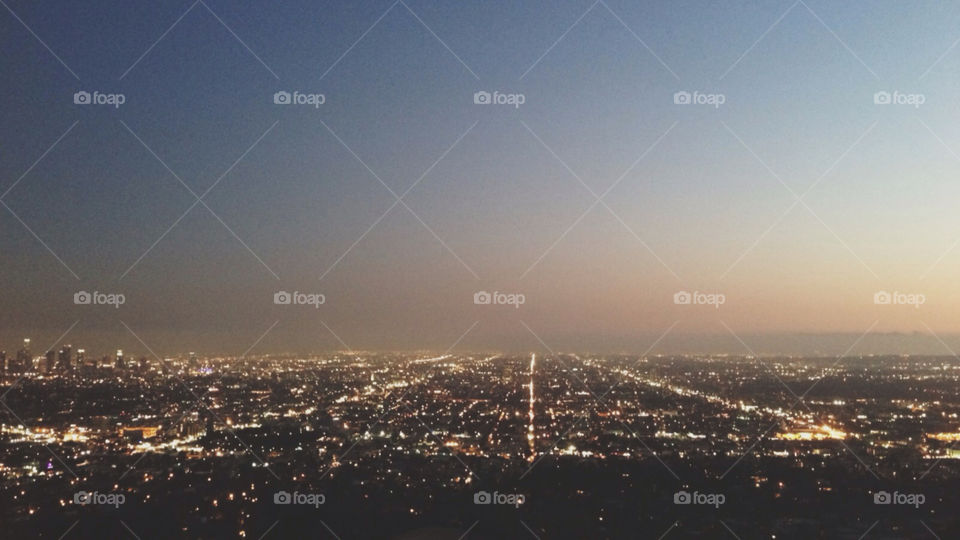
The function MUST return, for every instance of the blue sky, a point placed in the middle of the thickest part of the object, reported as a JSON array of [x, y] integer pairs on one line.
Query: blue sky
[[705, 209]]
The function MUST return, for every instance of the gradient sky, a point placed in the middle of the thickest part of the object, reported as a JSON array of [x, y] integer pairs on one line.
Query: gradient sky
[[798, 78]]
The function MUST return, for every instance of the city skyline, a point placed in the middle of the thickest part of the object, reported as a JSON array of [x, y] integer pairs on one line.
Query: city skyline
[[422, 270]]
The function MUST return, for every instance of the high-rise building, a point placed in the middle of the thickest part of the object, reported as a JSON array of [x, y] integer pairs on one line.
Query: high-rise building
[[50, 361], [118, 362], [3, 361], [24, 359], [80, 357], [193, 364], [66, 353], [144, 366]]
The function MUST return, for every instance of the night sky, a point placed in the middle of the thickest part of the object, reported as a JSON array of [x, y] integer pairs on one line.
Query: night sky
[[598, 198]]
